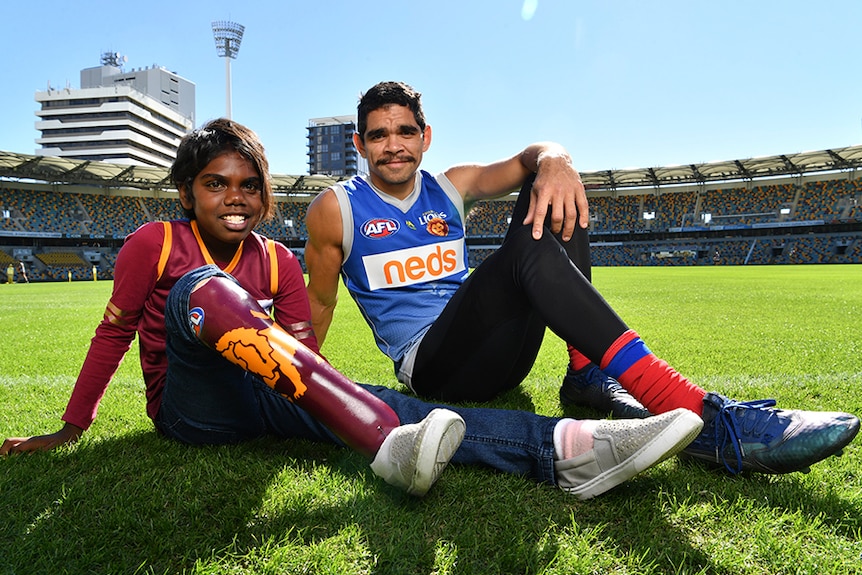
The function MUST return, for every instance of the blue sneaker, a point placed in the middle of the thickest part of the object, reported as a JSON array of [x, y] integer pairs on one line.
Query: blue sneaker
[[600, 392], [754, 436]]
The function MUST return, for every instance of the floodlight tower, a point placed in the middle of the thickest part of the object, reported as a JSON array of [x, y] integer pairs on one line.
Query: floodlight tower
[[228, 36]]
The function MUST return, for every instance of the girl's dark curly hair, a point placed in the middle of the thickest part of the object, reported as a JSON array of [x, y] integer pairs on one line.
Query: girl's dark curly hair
[[202, 146]]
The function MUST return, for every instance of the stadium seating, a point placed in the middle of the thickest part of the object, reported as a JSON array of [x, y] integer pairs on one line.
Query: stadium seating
[[753, 224]]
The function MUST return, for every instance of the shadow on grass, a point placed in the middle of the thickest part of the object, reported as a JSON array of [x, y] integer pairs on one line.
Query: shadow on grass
[[140, 503], [691, 519]]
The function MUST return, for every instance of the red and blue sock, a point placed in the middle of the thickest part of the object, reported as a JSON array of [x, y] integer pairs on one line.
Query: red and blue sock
[[653, 382]]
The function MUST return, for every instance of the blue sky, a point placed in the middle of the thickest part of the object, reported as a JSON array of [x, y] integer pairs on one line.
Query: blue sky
[[620, 83]]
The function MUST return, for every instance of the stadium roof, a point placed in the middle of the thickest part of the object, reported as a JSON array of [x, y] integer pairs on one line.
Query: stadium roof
[[834, 160], [51, 169]]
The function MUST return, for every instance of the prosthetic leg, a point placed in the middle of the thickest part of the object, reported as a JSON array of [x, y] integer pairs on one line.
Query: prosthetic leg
[[226, 318]]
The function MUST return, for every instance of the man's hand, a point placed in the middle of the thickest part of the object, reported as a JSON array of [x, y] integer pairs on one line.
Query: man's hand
[[68, 434], [559, 186]]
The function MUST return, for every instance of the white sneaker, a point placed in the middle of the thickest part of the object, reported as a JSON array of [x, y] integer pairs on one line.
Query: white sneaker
[[625, 447], [413, 456]]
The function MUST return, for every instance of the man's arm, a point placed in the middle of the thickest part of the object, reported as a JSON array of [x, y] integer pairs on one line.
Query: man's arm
[[557, 185], [323, 257]]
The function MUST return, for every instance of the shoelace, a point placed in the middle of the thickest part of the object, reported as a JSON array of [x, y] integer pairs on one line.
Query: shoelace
[[729, 431]]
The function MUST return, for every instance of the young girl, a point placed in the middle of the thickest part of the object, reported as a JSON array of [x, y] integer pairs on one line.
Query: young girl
[[228, 353]]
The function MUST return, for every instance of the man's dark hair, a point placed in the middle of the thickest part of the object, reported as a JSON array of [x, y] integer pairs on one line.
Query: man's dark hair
[[200, 147], [384, 94]]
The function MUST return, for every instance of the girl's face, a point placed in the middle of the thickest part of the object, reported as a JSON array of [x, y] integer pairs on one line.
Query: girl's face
[[226, 199]]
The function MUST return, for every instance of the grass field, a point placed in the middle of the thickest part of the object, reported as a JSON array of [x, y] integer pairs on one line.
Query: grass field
[[124, 500]]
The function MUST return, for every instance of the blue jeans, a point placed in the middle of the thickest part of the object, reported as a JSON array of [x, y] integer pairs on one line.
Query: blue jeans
[[208, 400]]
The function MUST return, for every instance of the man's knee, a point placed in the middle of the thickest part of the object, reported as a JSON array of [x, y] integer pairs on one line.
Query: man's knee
[[521, 244]]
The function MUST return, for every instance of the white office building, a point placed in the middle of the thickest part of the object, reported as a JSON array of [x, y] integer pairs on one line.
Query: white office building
[[136, 117]]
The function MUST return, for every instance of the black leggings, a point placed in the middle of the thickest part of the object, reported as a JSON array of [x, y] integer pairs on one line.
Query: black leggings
[[487, 337], [577, 248]]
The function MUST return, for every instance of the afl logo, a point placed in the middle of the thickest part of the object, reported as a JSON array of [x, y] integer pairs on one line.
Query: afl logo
[[196, 320], [379, 228]]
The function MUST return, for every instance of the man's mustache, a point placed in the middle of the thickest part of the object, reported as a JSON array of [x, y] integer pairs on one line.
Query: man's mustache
[[384, 161]]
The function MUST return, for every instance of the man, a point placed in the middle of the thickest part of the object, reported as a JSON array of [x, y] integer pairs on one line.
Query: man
[[22, 269], [397, 239]]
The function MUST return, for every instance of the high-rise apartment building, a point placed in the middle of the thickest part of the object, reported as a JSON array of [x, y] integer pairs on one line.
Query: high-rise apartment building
[[330, 147], [136, 117]]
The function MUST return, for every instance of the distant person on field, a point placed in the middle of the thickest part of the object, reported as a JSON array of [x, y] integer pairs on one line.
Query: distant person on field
[[22, 269], [397, 239], [228, 353], [10, 274]]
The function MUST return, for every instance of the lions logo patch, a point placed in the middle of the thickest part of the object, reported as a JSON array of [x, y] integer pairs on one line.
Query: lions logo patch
[[196, 320], [437, 227], [379, 228]]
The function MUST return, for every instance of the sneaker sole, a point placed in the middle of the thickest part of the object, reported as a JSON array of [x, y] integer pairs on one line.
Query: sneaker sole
[[442, 436], [678, 434]]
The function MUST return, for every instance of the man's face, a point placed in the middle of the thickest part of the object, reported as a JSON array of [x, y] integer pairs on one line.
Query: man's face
[[393, 146]]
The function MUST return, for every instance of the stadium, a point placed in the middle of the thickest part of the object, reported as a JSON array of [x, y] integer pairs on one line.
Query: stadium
[[744, 274], [126, 500], [66, 218]]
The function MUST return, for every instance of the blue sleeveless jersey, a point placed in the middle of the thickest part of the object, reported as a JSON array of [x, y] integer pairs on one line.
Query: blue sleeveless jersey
[[403, 259]]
